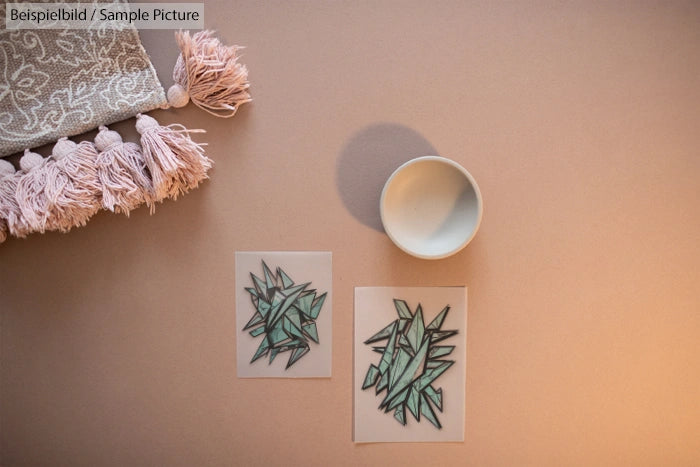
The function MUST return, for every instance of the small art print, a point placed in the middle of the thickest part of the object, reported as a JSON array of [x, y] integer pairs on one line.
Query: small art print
[[283, 314], [410, 364]]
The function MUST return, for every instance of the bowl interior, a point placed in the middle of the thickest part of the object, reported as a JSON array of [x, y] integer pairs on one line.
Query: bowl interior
[[431, 207]]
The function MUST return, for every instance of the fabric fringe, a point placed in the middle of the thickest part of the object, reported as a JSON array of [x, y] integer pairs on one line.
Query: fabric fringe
[[66, 189]]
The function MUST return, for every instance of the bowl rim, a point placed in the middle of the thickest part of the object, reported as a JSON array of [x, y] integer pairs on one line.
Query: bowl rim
[[472, 182]]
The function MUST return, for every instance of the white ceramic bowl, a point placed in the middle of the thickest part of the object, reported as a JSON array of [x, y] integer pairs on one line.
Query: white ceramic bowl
[[431, 207]]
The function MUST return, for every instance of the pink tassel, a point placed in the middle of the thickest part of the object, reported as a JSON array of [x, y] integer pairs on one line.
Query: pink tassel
[[122, 172], [38, 190], [16, 222], [208, 73], [8, 205], [176, 163], [81, 196]]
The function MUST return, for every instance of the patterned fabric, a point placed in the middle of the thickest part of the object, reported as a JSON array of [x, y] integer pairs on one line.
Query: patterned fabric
[[56, 83]]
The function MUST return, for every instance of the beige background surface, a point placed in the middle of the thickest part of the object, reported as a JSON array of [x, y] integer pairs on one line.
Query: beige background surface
[[578, 119]]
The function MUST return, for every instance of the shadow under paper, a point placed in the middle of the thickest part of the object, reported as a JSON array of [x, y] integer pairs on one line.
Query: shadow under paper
[[370, 156]]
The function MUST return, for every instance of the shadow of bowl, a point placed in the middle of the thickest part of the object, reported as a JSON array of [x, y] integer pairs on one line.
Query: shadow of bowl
[[366, 162]]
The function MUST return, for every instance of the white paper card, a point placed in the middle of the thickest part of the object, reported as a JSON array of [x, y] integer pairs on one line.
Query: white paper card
[[410, 357], [284, 314]]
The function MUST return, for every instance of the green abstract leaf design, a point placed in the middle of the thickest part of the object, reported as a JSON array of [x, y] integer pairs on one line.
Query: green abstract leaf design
[[285, 315], [410, 363]]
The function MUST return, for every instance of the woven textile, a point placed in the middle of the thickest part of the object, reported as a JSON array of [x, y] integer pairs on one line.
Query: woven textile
[[56, 83]]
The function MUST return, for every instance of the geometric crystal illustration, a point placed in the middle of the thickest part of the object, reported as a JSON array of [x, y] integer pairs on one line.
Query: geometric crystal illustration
[[285, 315], [410, 363]]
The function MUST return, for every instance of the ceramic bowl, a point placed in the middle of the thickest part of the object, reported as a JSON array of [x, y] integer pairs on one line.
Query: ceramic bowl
[[431, 207]]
